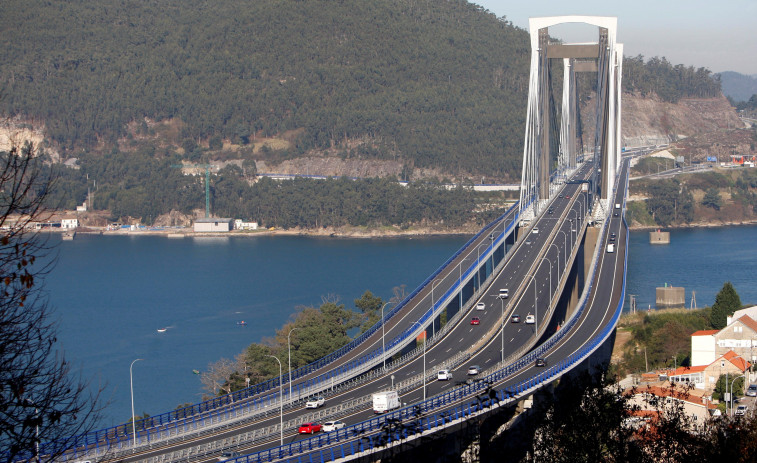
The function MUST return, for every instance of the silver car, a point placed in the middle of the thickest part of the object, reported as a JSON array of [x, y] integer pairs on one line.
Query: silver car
[[752, 390]]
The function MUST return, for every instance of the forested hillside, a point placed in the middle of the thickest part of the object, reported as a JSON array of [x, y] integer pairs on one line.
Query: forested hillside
[[440, 82], [133, 87]]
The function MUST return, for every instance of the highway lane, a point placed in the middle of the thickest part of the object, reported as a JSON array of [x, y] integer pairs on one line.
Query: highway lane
[[604, 298], [522, 263], [411, 311]]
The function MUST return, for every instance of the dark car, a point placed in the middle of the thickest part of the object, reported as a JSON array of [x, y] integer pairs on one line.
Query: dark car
[[515, 318], [475, 321], [541, 362]]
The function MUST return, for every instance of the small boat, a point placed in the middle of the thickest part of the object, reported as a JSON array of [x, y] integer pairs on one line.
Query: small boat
[[242, 323], [197, 372], [162, 330]]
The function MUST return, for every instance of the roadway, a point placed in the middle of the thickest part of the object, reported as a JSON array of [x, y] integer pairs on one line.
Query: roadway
[[603, 300], [523, 271]]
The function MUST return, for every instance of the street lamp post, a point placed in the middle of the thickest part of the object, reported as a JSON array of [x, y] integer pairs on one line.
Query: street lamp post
[[281, 402], [131, 387], [289, 361], [536, 303], [550, 278], [731, 395], [565, 247], [558, 254], [383, 345], [502, 352], [424, 359], [433, 318]]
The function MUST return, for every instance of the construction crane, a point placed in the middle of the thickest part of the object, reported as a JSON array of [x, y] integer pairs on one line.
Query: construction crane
[[207, 168]]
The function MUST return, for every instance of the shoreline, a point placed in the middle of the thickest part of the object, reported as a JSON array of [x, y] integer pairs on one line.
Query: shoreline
[[351, 232]]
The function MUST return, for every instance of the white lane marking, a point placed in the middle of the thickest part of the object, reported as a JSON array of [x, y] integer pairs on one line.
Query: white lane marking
[[513, 339]]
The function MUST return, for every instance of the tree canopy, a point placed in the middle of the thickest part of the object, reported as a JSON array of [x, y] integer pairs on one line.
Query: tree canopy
[[432, 84], [727, 301]]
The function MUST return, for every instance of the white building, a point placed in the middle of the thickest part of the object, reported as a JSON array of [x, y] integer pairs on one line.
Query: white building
[[739, 336], [69, 223], [212, 225], [703, 347], [241, 225]]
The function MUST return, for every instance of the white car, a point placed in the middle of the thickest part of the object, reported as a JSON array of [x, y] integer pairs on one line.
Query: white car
[[741, 410], [530, 319], [474, 370], [227, 456], [315, 402], [444, 375], [332, 425], [481, 306], [535, 231]]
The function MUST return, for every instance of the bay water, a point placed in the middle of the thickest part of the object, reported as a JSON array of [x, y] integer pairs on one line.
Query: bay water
[[111, 294]]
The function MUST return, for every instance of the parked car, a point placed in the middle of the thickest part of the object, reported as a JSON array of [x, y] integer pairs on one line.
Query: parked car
[[515, 318], [474, 370], [741, 410], [541, 362], [309, 428], [752, 390], [227, 456], [475, 321], [333, 425], [481, 306], [530, 319], [444, 375], [315, 402]]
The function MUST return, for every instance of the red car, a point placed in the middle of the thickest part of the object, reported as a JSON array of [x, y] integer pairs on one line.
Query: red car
[[475, 321], [309, 428]]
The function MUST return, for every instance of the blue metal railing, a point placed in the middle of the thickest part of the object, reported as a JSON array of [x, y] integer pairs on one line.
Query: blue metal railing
[[423, 423], [226, 406]]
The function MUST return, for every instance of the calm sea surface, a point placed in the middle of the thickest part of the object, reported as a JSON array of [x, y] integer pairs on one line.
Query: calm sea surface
[[112, 293]]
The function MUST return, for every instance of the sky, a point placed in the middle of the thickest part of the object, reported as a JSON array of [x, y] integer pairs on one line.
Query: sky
[[720, 35]]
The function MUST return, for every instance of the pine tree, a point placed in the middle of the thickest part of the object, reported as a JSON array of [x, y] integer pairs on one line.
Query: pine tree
[[727, 301]]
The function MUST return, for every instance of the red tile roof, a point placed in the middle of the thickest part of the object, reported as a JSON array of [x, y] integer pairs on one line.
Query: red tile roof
[[748, 321], [705, 332], [737, 361]]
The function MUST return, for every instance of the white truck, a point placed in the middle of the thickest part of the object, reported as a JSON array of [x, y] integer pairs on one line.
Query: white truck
[[385, 401]]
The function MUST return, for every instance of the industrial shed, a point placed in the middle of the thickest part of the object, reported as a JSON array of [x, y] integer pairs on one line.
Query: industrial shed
[[212, 225]]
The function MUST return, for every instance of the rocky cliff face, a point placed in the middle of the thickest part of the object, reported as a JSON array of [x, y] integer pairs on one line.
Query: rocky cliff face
[[650, 121]]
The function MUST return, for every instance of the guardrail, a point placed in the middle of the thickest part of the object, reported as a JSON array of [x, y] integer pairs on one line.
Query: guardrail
[[212, 410], [410, 422], [460, 411]]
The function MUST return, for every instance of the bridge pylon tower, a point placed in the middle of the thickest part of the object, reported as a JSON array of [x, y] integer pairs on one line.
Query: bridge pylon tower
[[544, 158]]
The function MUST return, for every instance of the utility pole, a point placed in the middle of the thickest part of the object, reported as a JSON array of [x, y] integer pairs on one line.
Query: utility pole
[[207, 168]]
